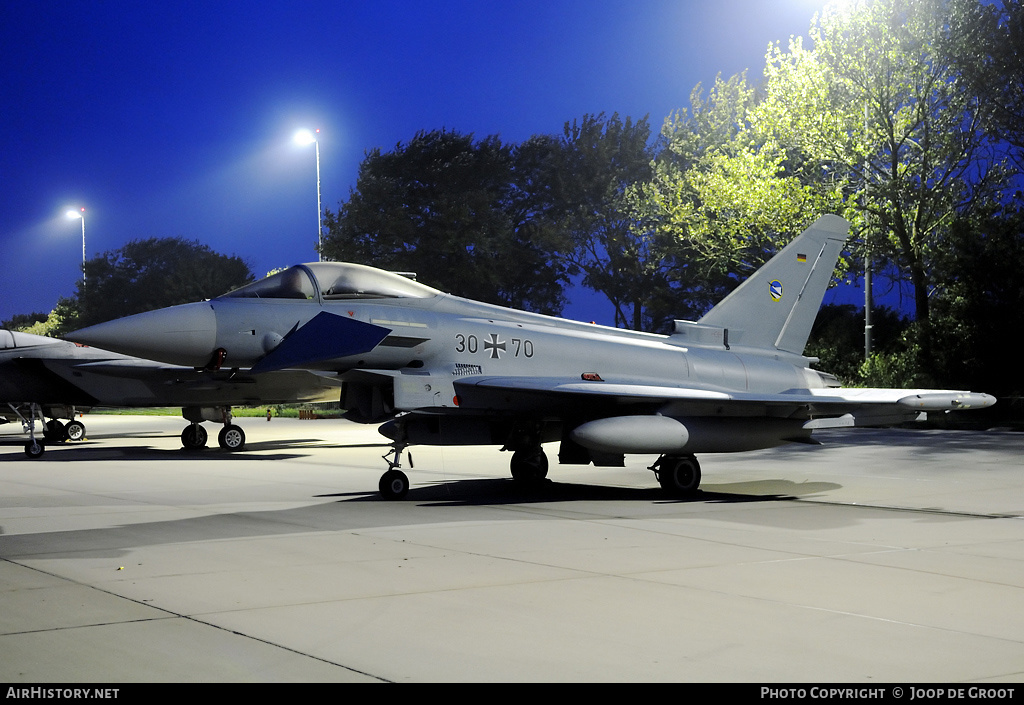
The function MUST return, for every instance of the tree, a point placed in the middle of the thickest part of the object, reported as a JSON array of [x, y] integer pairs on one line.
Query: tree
[[595, 164], [837, 340], [457, 212], [148, 274], [878, 102], [725, 197], [980, 310], [23, 321], [986, 44]]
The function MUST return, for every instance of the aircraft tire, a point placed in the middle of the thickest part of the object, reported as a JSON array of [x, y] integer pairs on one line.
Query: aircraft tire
[[231, 437], [679, 475], [194, 437], [74, 431], [393, 484], [55, 431], [34, 449], [529, 466]]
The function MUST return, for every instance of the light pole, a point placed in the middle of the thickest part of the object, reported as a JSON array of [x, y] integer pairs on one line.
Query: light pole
[[305, 137], [868, 295], [80, 214]]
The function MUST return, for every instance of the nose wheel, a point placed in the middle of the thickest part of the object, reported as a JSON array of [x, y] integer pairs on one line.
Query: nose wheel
[[394, 484], [34, 449]]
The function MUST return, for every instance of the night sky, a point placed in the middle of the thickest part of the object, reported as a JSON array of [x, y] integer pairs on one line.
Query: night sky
[[167, 119]]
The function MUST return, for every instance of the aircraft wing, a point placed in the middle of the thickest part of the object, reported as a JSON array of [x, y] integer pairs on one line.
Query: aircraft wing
[[823, 408], [625, 391]]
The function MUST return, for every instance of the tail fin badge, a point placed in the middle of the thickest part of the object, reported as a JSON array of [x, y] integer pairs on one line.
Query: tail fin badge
[[775, 290]]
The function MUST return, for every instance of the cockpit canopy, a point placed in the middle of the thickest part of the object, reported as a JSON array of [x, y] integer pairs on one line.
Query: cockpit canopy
[[332, 281]]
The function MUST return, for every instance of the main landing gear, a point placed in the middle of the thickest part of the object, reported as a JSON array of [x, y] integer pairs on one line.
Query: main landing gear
[[194, 437], [529, 466], [231, 437], [679, 475], [57, 431]]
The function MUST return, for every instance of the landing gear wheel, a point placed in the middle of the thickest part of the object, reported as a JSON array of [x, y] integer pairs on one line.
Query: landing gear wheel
[[679, 476], [393, 484], [194, 437], [529, 466], [34, 449], [231, 437], [75, 430], [55, 431]]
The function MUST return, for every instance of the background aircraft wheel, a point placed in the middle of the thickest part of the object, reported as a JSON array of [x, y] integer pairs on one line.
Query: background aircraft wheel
[[679, 476], [34, 449], [75, 430], [529, 465], [193, 437], [55, 431], [393, 484], [231, 437]]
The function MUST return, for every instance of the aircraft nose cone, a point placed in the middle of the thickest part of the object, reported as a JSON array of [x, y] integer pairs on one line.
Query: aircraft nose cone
[[180, 335]]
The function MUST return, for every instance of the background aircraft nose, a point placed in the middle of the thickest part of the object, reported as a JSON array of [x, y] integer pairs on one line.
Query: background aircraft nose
[[180, 335]]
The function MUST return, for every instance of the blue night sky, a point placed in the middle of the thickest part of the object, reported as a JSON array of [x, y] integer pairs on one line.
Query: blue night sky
[[167, 119]]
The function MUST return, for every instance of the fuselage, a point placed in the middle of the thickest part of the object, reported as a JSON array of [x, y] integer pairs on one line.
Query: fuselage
[[424, 333]]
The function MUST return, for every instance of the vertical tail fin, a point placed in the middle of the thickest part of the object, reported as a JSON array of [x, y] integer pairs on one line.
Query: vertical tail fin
[[777, 305]]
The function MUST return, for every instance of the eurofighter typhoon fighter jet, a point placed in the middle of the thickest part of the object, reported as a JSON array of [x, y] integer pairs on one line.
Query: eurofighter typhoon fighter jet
[[442, 370]]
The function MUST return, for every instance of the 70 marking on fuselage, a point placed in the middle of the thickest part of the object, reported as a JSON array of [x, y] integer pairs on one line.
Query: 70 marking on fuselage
[[494, 346]]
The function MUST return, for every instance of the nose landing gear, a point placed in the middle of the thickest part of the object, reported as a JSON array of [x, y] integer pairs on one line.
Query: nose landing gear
[[394, 484]]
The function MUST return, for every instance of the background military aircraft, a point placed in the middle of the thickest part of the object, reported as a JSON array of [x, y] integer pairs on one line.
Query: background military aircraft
[[45, 378], [444, 370]]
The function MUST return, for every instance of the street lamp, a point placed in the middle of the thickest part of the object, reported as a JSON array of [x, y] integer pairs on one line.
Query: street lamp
[[80, 214], [305, 137]]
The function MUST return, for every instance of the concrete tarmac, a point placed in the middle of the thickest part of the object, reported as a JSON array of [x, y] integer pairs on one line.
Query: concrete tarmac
[[891, 556]]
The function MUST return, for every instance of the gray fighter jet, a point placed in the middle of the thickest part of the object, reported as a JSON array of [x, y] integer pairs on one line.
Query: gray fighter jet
[[45, 378], [444, 370]]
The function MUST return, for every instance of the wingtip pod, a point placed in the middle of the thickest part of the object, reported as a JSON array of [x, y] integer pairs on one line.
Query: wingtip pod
[[947, 401]]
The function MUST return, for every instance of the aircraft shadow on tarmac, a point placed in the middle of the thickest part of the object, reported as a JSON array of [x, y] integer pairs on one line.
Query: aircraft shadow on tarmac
[[87, 451], [83, 452], [364, 510], [468, 492], [504, 491]]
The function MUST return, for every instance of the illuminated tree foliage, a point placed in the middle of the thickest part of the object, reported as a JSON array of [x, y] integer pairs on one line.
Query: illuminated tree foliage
[[724, 196], [879, 103]]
